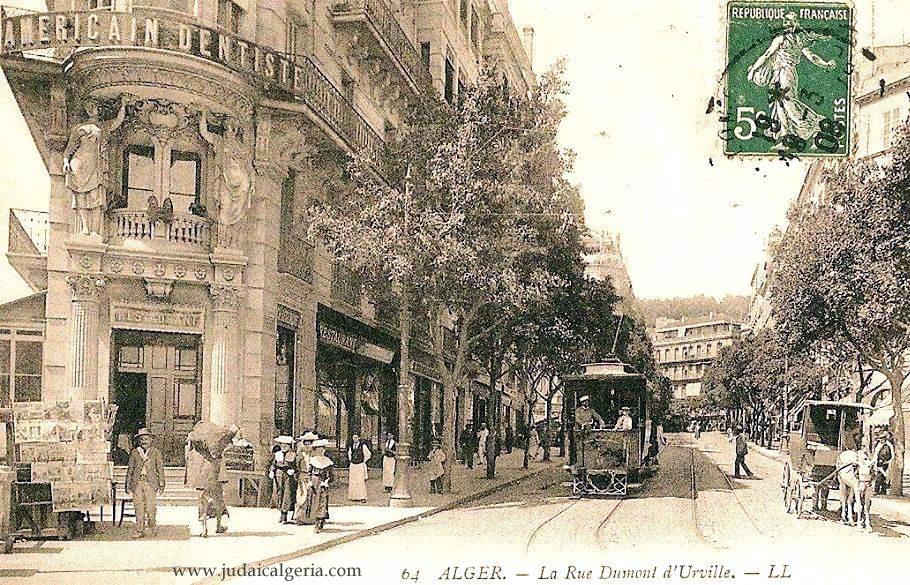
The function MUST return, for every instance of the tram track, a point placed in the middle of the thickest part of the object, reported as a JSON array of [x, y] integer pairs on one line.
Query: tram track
[[540, 526], [693, 486]]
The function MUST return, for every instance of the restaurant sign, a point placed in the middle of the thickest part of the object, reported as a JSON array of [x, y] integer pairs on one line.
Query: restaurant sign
[[154, 30], [168, 318]]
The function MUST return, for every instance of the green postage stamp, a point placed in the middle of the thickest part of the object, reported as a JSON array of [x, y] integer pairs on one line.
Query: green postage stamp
[[788, 79]]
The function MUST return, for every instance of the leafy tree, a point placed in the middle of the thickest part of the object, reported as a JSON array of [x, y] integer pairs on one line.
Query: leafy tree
[[461, 219], [841, 273]]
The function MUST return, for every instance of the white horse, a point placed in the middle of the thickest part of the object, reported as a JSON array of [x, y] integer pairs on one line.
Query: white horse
[[856, 477]]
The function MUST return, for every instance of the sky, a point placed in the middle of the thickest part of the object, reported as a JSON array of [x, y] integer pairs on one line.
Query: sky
[[649, 162]]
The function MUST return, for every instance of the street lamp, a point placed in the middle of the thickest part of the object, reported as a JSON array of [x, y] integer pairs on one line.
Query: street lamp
[[401, 494]]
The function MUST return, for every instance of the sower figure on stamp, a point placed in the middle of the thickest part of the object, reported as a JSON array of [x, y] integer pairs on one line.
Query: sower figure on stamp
[[85, 166], [145, 481], [776, 70]]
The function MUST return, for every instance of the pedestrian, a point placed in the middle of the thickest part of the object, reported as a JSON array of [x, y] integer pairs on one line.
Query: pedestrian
[[534, 444], [697, 430], [510, 438], [304, 453], [437, 467], [740, 440], [205, 447], [624, 421], [315, 509], [481, 444], [883, 455], [466, 441], [358, 455], [389, 452], [283, 472], [145, 481]]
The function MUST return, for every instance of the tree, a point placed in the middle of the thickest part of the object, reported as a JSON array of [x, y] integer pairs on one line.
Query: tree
[[841, 273], [467, 234]]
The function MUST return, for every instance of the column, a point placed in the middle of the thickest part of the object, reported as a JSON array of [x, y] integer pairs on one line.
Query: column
[[225, 357], [83, 352]]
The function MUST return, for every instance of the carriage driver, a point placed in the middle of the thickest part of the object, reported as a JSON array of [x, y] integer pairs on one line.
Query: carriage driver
[[585, 416]]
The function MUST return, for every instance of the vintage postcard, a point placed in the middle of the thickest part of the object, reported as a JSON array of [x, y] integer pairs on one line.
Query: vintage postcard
[[432, 291]]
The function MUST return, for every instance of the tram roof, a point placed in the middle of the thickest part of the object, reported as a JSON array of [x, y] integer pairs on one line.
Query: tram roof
[[836, 404]]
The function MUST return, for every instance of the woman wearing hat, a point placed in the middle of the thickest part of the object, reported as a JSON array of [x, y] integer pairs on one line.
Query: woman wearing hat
[[145, 480], [315, 508], [283, 470], [304, 452]]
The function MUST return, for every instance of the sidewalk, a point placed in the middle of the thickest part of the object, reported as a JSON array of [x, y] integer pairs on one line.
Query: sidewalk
[[254, 534], [898, 507]]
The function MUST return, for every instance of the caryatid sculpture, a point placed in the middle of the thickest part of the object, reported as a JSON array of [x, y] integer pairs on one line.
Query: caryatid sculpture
[[85, 165], [234, 177]]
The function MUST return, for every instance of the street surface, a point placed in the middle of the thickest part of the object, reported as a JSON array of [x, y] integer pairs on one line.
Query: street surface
[[690, 510]]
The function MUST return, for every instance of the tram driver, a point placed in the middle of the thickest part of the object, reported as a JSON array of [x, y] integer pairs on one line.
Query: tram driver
[[585, 416]]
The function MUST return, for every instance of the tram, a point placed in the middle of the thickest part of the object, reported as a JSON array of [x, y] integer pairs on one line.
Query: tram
[[607, 451]]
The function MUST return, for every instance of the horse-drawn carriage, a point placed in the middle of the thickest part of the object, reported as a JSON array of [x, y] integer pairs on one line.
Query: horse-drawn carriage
[[605, 458], [826, 431]]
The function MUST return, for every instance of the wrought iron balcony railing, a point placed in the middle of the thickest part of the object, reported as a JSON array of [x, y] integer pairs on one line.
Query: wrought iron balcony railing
[[28, 232], [295, 257], [346, 286], [380, 17]]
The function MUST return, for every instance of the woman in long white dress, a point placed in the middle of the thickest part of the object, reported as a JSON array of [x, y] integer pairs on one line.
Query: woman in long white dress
[[389, 451], [358, 455]]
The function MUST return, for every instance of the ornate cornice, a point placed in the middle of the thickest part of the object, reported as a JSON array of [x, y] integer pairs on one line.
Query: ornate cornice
[[86, 287], [225, 298]]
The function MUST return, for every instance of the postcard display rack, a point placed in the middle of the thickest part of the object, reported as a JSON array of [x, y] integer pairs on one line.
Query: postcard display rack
[[62, 463]]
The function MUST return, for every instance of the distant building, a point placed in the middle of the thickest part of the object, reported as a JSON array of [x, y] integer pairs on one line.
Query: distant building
[[760, 304], [684, 348]]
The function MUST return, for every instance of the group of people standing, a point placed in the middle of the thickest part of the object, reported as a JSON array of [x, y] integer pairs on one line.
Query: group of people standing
[[301, 476]]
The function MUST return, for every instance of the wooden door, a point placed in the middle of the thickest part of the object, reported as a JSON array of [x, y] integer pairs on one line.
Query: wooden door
[[173, 403]]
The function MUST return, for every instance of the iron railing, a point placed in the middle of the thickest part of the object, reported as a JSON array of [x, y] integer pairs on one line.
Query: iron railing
[[295, 257], [386, 24]]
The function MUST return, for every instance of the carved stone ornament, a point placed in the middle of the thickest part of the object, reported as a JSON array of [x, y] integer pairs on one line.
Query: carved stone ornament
[[86, 287], [225, 298], [159, 288], [162, 118]]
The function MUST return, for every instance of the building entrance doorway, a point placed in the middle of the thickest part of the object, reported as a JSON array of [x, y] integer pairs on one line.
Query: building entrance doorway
[[156, 383]]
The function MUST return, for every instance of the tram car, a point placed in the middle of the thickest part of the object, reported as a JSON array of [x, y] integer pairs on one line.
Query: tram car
[[607, 450]]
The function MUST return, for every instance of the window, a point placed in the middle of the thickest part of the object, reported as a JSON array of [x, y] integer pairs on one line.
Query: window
[[295, 42], [450, 82], [891, 123], [186, 180], [229, 15], [465, 9], [425, 53], [138, 175], [390, 132], [475, 30], [461, 81], [20, 370], [99, 4]]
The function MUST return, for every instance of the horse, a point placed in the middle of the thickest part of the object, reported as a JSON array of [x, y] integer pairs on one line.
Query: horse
[[856, 473]]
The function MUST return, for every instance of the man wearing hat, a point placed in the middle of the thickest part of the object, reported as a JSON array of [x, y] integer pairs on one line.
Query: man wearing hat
[[624, 422], [585, 416], [145, 481]]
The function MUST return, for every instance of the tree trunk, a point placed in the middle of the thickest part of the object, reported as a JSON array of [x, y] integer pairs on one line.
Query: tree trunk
[[529, 422], [401, 494], [547, 430], [898, 426], [562, 428], [449, 445]]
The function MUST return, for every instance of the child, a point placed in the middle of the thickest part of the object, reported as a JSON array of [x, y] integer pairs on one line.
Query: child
[[437, 468]]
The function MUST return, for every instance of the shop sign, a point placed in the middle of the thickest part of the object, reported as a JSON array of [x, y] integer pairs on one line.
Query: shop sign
[[157, 318], [425, 370], [154, 30], [339, 338], [288, 317]]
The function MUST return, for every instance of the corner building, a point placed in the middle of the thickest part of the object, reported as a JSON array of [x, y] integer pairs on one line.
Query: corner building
[[194, 294]]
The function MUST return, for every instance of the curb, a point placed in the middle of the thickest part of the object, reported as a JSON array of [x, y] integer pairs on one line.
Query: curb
[[310, 550]]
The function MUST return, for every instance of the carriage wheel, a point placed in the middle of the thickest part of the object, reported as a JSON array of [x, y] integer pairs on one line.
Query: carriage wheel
[[799, 495], [785, 486]]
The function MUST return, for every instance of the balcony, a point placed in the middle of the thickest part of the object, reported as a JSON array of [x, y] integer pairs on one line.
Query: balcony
[[377, 19], [346, 286], [188, 231], [27, 249], [295, 257]]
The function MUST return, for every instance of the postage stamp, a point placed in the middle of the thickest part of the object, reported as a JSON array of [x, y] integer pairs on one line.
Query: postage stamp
[[788, 79]]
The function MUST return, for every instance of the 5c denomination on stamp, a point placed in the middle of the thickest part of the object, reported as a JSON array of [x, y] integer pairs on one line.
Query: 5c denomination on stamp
[[788, 79]]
